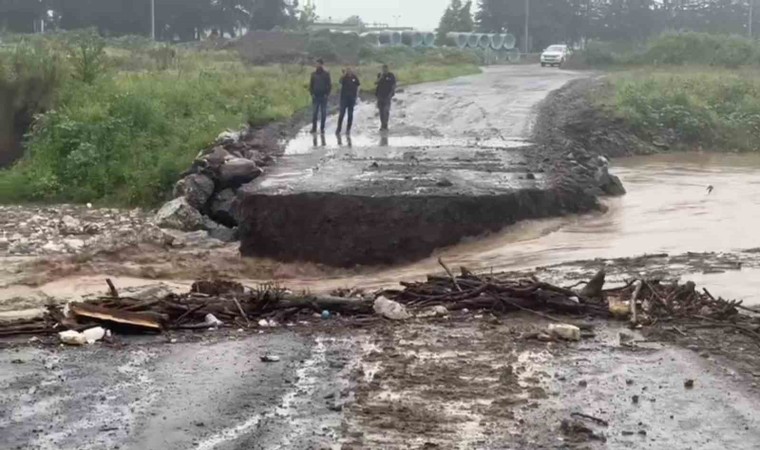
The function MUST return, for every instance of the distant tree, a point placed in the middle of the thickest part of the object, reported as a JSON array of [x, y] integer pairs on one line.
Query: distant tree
[[268, 14], [492, 16], [20, 15], [306, 16], [450, 20], [464, 18], [355, 21]]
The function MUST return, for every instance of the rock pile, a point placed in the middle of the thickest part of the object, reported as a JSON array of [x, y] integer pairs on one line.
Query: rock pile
[[587, 171], [70, 229], [206, 197]]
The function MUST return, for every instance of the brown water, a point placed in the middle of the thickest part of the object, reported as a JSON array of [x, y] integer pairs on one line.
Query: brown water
[[667, 209]]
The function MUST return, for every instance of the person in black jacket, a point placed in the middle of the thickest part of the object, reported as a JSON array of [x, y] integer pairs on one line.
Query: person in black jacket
[[349, 91], [319, 87], [386, 89]]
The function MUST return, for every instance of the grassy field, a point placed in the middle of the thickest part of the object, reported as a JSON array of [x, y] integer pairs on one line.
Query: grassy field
[[125, 123], [716, 109]]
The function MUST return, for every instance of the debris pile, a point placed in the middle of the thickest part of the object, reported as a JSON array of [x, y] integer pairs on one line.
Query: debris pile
[[218, 303], [497, 293], [209, 304], [654, 300]]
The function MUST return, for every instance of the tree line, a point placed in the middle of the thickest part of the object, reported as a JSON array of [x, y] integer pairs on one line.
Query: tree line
[[175, 19], [575, 21]]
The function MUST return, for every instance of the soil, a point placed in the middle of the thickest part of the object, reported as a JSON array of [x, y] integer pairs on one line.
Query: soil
[[572, 118]]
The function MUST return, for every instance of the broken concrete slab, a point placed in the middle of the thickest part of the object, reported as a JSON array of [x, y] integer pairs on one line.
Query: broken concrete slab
[[447, 170]]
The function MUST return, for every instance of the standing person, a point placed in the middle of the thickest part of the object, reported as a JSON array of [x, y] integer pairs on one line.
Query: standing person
[[320, 88], [349, 91], [386, 89]]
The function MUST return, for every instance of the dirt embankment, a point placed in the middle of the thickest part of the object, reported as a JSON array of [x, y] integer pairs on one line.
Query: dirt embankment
[[572, 120]]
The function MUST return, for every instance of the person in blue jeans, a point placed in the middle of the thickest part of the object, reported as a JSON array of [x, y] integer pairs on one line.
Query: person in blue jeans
[[349, 91], [320, 88]]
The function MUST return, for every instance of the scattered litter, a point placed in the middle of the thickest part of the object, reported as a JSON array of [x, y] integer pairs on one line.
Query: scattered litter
[[390, 309], [212, 321], [71, 337], [433, 311], [565, 331], [635, 399], [95, 334], [688, 384], [325, 314], [270, 358]]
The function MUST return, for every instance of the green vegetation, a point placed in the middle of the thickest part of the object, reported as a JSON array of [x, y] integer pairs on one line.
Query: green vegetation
[[687, 48], [714, 108], [126, 122]]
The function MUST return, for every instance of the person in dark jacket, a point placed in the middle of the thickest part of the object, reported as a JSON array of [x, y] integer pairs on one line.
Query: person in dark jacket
[[386, 89], [349, 91], [320, 88]]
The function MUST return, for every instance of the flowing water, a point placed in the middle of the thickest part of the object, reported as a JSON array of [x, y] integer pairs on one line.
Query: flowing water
[[667, 209]]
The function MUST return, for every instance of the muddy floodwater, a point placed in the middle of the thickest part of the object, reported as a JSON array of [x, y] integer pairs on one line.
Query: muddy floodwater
[[667, 209]]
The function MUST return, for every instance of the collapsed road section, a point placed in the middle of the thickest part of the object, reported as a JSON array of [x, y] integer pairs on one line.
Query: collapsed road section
[[457, 163]]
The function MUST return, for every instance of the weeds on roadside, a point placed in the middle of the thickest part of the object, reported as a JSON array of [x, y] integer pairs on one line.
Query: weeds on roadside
[[714, 108]]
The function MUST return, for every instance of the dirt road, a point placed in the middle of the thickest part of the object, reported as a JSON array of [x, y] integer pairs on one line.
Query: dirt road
[[465, 381]]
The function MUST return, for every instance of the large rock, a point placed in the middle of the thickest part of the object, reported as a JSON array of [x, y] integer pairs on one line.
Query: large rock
[[180, 215], [224, 208], [608, 183], [69, 225], [236, 172], [196, 188]]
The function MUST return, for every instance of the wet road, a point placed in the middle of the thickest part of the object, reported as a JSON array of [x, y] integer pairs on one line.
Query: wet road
[[214, 394], [468, 131]]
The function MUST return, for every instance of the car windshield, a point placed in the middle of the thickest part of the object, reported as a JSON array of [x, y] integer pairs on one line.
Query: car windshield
[[556, 48]]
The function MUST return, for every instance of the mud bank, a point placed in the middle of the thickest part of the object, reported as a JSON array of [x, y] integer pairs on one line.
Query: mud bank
[[346, 230]]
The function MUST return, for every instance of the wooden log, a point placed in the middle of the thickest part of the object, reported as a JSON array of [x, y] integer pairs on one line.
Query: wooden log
[[150, 321], [336, 304]]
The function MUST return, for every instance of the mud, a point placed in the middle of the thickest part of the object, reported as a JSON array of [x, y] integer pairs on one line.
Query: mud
[[347, 230], [469, 380]]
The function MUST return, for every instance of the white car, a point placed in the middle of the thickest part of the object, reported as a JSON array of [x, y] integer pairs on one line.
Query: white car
[[555, 55]]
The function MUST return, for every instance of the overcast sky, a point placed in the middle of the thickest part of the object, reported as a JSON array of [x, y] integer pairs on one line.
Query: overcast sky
[[420, 14]]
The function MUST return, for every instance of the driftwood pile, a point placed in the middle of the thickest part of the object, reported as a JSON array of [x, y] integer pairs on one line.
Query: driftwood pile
[[228, 302], [642, 302], [213, 303]]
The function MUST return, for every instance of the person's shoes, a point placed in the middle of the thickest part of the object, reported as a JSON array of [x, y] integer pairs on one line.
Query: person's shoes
[[313, 131], [348, 132], [337, 131], [322, 132]]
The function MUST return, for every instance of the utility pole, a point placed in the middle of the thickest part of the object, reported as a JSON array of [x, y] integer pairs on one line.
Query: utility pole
[[527, 19], [751, 14], [153, 19]]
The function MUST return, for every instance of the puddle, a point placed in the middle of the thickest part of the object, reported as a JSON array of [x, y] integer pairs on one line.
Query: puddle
[[306, 143]]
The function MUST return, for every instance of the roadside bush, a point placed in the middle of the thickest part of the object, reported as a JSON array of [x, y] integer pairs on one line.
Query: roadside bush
[[720, 109], [30, 74], [701, 48], [87, 53]]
